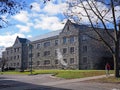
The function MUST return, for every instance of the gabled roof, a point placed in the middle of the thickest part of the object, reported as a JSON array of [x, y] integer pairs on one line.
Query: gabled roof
[[22, 40], [47, 35]]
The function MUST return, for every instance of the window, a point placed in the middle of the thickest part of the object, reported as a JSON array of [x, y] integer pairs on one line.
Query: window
[[46, 53], [38, 62], [65, 60], [31, 47], [84, 59], [14, 49], [84, 37], [46, 44], [84, 48], [38, 54], [71, 49], [18, 49], [11, 51], [38, 45], [56, 42], [46, 62], [17, 64], [55, 52], [56, 61], [30, 55], [71, 60], [64, 40], [17, 56], [7, 52], [64, 50], [14, 57], [72, 39]]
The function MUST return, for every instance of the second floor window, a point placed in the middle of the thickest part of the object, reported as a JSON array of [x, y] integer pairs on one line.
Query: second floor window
[[84, 48], [56, 42], [64, 50], [84, 37], [72, 50], [46, 44], [46, 53], [64, 40], [72, 39], [38, 45], [30, 55], [38, 54]]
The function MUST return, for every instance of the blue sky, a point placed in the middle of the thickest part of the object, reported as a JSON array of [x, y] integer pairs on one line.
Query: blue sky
[[42, 18]]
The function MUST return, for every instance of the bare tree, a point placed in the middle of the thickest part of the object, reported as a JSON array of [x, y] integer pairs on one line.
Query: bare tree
[[3, 63], [8, 8], [99, 13]]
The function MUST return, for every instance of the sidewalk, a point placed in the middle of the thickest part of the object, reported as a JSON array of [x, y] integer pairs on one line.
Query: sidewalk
[[74, 80]]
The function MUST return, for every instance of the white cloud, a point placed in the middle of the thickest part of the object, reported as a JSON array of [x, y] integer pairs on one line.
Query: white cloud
[[8, 39], [23, 28], [23, 16], [49, 23], [35, 7], [54, 9]]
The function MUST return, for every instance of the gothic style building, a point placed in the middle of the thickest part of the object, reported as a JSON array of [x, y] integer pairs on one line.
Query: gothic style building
[[73, 47]]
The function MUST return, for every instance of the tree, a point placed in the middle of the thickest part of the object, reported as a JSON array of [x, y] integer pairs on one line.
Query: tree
[[3, 63], [100, 13], [8, 8]]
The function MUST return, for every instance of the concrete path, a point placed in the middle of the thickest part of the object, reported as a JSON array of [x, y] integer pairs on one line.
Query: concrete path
[[74, 80], [48, 82]]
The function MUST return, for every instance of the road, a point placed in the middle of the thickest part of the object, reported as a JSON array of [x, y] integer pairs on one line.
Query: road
[[47, 82]]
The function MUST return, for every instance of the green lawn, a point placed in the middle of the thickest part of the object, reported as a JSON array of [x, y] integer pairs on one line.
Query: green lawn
[[67, 74]]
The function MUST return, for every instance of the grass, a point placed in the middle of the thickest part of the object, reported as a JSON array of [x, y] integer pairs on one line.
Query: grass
[[67, 74]]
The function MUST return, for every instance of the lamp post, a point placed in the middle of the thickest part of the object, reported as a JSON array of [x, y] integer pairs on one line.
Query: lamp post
[[30, 47]]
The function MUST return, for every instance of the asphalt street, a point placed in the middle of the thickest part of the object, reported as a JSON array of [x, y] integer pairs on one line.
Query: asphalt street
[[47, 82]]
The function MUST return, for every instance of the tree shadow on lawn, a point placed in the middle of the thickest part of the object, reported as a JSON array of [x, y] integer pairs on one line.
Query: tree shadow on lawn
[[16, 85]]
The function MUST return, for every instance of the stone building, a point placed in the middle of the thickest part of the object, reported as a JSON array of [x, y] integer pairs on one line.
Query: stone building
[[17, 55], [73, 47]]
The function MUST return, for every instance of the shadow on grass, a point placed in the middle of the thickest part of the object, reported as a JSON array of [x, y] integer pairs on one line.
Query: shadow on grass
[[16, 85]]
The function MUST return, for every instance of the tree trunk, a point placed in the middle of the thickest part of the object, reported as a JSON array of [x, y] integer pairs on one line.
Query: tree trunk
[[116, 59]]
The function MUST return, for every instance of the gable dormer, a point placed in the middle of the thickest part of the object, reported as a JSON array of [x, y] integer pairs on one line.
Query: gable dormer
[[17, 42], [70, 28], [67, 26]]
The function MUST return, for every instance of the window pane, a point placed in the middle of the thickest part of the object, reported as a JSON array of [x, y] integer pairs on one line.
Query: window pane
[[46, 62], [71, 60], [84, 48], [71, 49], [64, 50], [72, 39], [64, 40], [46, 44], [56, 42]]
